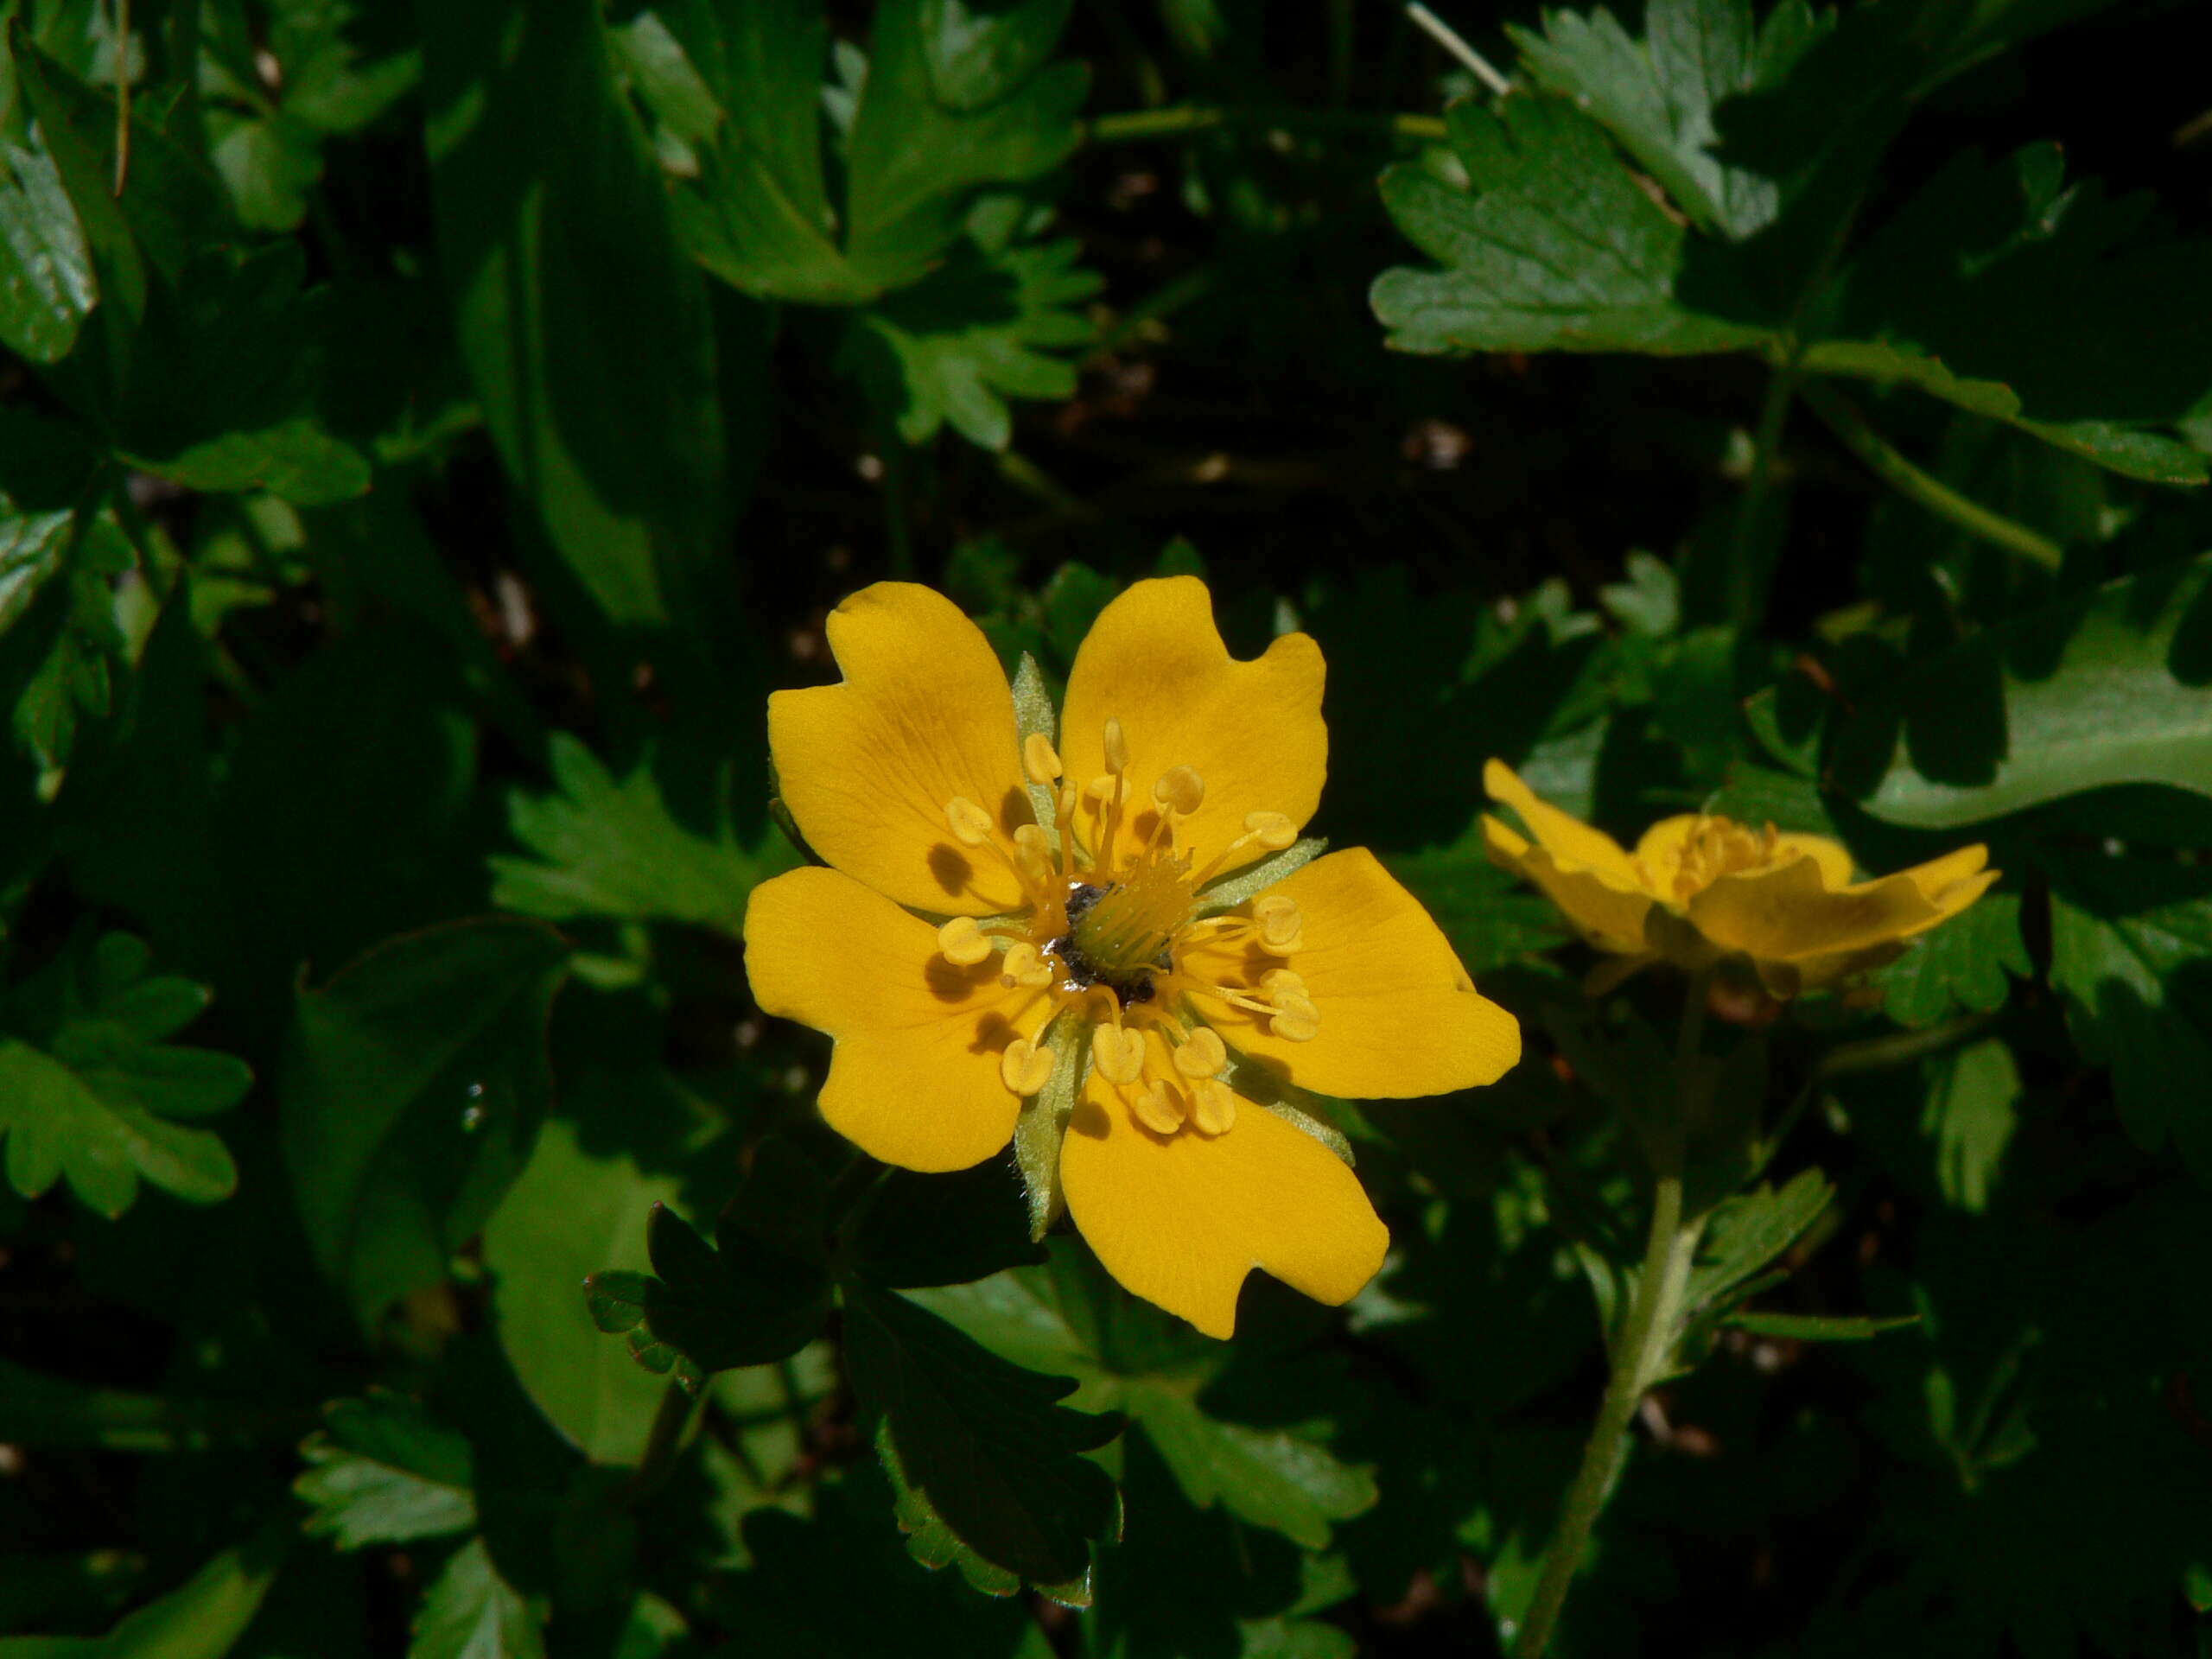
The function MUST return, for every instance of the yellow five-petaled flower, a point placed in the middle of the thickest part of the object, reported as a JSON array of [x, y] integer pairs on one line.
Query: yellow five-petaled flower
[[1700, 888], [1000, 906]]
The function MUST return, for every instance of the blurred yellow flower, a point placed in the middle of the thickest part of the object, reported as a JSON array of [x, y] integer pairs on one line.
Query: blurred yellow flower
[[1000, 911], [1699, 888]]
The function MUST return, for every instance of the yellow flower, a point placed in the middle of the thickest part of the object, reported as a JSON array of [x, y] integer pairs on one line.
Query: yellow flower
[[998, 909], [1699, 888]]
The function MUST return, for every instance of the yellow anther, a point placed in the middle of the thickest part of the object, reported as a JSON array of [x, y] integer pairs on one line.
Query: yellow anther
[[1295, 1028], [1277, 982], [1024, 1067], [1203, 1056], [1038, 759], [971, 825], [1024, 964], [1281, 926], [1273, 830], [962, 943], [1180, 790], [1118, 1052], [1033, 852], [1108, 786], [1298, 1007], [1159, 1107], [1117, 747], [1213, 1107]]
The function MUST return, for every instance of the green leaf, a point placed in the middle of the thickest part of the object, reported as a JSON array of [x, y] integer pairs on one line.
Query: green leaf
[[760, 1292], [610, 848], [921, 1230], [555, 237], [953, 102], [984, 1464], [1817, 1327], [2074, 696], [383, 1471], [1751, 1231], [472, 1613], [1972, 1108], [977, 330], [2129, 942], [1967, 963], [1553, 249], [1956, 291], [836, 1584], [578, 1209], [88, 1091], [1264, 1477], [46, 269], [1657, 95], [203, 1618], [411, 1087]]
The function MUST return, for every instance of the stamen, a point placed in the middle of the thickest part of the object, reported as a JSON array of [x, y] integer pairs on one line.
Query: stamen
[[1024, 1067], [1282, 928], [971, 825], [1118, 1052], [1032, 854], [1273, 830], [1024, 965], [1213, 1107], [1040, 759], [963, 942], [1295, 1028], [1159, 1107], [1117, 747], [1066, 819], [1202, 1055], [1180, 790]]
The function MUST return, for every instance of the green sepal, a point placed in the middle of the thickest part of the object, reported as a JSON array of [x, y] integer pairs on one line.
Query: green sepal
[[1032, 712], [1044, 1124], [1252, 879]]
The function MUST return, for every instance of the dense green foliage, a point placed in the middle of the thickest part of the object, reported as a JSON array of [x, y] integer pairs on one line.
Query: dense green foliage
[[426, 436]]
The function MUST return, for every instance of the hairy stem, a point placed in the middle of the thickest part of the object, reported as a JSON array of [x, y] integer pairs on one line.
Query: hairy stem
[[1639, 1353]]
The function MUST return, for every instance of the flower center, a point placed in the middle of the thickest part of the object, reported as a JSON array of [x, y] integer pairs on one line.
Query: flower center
[[1716, 847], [1111, 935], [1122, 933]]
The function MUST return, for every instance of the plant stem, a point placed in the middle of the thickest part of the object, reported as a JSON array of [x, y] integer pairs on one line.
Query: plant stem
[[1453, 42], [663, 1443], [1924, 488], [1179, 120], [1639, 1353], [1636, 1360], [1747, 590]]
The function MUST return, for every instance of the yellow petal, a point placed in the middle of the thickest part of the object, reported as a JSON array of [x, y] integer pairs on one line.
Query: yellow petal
[[1787, 912], [915, 1077], [922, 716], [1252, 731], [1398, 1014], [1609, 918], [1955, 881], [1571, 842], [1180, 1219], [1832, 857]]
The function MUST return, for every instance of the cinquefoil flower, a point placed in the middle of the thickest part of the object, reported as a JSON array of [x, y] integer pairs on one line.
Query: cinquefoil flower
[[1005, 916], [1699, 888]]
